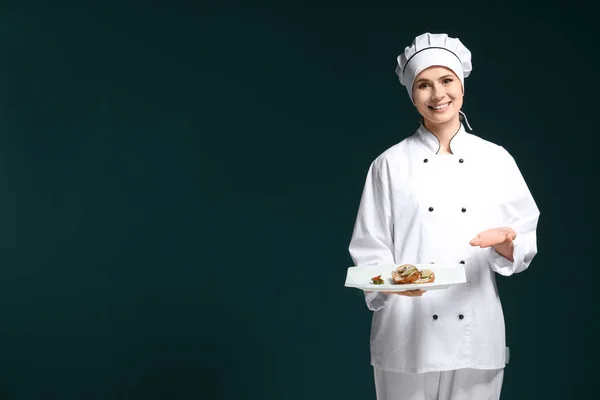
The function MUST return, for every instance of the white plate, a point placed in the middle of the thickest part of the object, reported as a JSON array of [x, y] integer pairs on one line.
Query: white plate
[[359, 277]]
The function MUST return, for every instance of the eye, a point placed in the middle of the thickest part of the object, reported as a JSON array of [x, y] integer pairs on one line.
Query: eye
[[447, 81], [423, 85]]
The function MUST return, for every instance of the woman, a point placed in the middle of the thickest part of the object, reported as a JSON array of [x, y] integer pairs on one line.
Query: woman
[[445, 196]]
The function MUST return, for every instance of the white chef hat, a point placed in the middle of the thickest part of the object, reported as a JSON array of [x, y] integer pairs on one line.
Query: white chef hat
[[433, 49]]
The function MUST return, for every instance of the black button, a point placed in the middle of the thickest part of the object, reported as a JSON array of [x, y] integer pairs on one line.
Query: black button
[[430, 208], [425, 160], [435, 317], [464, 209], [462, 262], [461, 316], [461, 161]]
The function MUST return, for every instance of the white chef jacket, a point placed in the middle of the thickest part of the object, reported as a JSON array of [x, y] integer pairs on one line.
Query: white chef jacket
[[421, 207]]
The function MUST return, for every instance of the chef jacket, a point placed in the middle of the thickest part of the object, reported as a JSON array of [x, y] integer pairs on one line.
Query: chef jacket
[[421, 207]]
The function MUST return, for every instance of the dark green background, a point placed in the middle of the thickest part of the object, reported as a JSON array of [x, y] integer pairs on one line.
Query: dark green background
[[180, 180]]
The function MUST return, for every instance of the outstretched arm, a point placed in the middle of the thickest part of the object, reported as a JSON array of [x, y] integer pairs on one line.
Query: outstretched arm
[[513, 245]]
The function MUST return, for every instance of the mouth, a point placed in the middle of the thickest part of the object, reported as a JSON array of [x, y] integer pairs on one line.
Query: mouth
[[440, 108]]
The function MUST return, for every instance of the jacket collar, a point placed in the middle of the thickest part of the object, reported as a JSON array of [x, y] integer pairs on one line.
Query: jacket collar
[[432, 144]]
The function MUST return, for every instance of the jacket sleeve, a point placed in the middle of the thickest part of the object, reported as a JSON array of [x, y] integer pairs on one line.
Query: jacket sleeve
[[372, 240], [519, 211]]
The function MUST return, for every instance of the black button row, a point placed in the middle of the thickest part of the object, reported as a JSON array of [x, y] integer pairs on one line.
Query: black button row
[[460, 316], [460, 161], [464, 210]]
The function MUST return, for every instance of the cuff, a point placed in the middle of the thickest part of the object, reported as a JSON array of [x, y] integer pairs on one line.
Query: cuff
[[504, 266], [376, 300]]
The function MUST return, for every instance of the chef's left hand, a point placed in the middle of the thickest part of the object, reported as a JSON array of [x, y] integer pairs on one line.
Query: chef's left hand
[[494, 237], [499, 238]]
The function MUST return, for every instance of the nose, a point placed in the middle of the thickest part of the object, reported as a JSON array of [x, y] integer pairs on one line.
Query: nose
[[437, 93]]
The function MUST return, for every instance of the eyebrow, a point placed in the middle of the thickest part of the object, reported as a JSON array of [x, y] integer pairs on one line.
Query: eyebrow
[[427, 80]]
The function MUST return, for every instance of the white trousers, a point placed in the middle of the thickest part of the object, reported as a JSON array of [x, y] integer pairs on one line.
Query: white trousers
[[462, 384]]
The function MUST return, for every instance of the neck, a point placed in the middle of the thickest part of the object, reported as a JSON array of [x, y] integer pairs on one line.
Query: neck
[[444, 132]]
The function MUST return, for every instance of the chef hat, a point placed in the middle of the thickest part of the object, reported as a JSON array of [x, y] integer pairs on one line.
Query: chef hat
[[433, 49]]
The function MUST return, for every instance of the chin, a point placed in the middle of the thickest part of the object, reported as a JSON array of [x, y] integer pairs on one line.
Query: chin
[[441, 120]]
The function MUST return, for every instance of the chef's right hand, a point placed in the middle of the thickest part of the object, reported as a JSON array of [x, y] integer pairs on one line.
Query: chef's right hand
[[409, 293]]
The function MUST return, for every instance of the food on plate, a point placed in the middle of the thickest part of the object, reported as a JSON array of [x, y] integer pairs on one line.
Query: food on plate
[[405, 273], [427, 276], [408, 273]]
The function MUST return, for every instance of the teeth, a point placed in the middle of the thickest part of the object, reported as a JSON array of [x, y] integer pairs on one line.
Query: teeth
[[440, 107]]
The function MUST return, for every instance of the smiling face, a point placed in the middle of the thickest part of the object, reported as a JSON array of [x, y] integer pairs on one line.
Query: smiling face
[[438, 96]]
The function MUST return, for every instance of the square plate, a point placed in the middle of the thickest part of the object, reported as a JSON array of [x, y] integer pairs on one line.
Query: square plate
[[359, 277]]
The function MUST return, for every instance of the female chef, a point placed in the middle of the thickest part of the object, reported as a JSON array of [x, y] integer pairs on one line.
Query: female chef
[[443, 196]]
